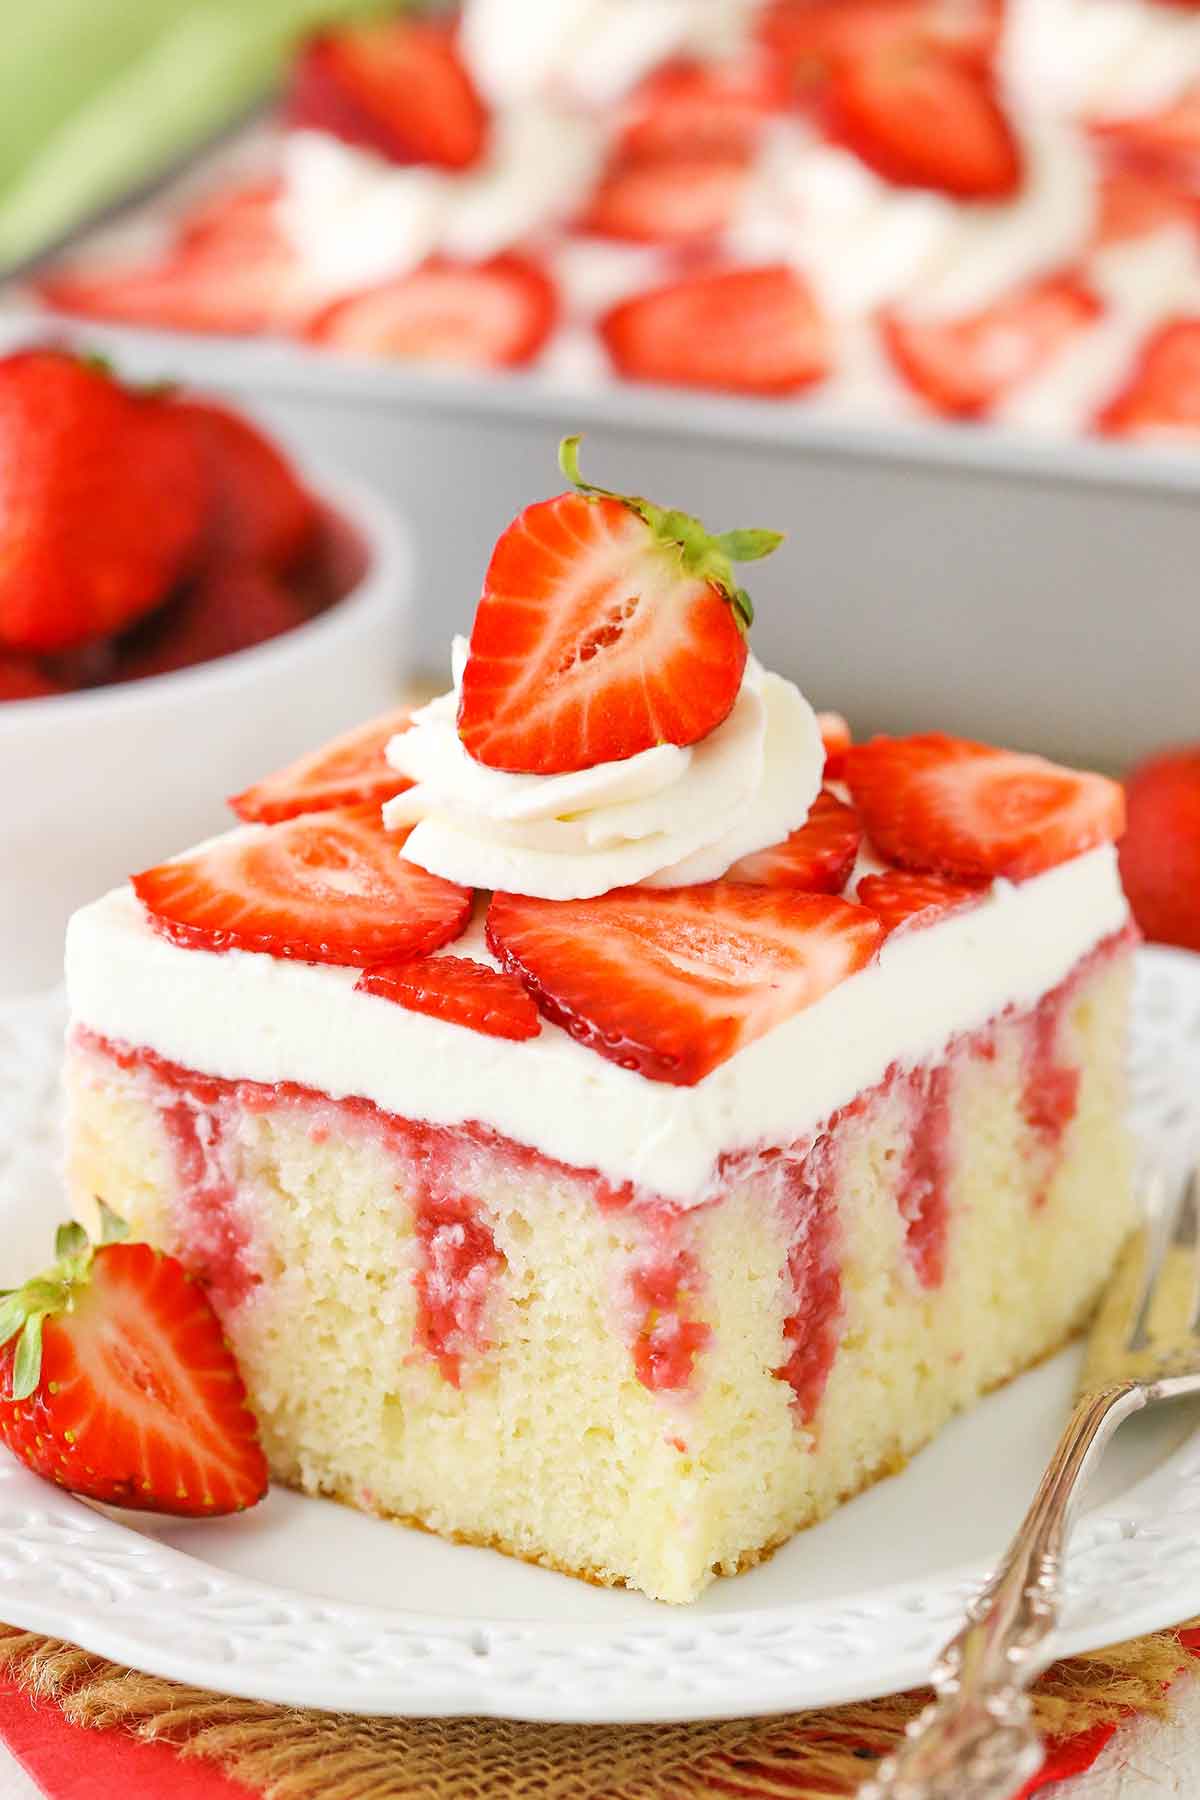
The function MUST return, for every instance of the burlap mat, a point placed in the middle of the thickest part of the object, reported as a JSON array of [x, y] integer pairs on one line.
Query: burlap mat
[[288, 1754]]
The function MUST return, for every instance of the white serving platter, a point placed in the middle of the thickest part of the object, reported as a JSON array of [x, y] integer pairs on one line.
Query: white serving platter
[[305, 1602]]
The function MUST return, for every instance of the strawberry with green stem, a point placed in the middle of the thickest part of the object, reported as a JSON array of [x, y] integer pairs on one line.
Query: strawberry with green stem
[[607, 625], [116, 1381]]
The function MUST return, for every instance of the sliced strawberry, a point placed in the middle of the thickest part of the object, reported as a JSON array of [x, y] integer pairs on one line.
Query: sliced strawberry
[[817, 858], [902, 897], [674, 981], [1160, 851], [967, 810], [667, 200], [1161, 398], [21, 678], [232, 271], [691, 109], [922, 114], [964, 366], [751, 331], [460, 990], [835, 736], [1132, 203], [329, 887], [229, 218], [487, 315], [223, 610], [259, 510], [607, 625], [116, 1381], [1166, 141], [396, 86], [351, 770]]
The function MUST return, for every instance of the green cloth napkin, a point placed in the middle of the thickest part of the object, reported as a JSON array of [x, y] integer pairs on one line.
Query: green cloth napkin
[[97, 96]]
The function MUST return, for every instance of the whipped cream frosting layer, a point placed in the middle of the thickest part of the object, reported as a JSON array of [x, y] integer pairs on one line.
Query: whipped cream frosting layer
[[666, 817], [244, 1016]]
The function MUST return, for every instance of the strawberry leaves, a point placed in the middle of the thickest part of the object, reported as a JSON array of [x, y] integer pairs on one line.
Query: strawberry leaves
[[24, 1310], [703, 554]]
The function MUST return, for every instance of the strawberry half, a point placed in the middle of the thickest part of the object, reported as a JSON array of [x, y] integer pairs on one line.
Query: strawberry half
[[102, 501], [922, 111], [607, 625], [835, 736], [964, 366], [350, 770], [1161, 398], [818, 857], [116, 1382], [460, 990], [750, 331], [674, 981], [259, 510], [486, 315], [232, 270], [967, 810], [667, 200], [1160, 851], [692, 109], [397, 87], [328, 887], [902, 897]]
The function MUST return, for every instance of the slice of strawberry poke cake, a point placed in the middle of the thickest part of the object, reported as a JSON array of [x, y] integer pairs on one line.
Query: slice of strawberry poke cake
[[615, 1119]]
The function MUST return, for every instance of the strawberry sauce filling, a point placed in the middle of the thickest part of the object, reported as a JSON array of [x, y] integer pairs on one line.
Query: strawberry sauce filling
[[1051, 1096], [458, 1260], [923, 1196], [459, 1263], [668, 1341], [217, 1237], [812, 1327]]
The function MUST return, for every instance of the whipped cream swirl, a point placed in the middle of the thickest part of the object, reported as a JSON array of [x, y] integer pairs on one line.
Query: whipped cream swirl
[[663, 818]]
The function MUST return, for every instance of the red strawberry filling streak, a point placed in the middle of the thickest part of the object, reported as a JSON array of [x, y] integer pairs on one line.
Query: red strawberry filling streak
[[608, 625], [459, 1278]]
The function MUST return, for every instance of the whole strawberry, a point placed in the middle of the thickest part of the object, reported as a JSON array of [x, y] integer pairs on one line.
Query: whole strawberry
[[116, 1382], [102, 501], [1160, 852], [260, 512]]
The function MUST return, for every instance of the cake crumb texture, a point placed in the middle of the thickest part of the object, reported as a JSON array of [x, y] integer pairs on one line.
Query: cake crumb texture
[[447, 1329]]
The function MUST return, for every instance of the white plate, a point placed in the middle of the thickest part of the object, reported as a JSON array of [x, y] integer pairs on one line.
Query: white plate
[[305, 1602]]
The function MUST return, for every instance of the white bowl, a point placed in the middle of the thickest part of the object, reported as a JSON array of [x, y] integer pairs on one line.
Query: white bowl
[[98, 784]]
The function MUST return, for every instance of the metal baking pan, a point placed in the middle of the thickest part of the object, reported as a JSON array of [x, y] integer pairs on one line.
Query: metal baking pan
[[1036, 593]]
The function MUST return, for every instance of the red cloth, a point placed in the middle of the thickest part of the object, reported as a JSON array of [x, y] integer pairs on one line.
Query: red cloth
[[73, 1762]]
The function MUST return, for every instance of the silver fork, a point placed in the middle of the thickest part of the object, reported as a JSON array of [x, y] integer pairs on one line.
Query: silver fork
[[976, 1740]]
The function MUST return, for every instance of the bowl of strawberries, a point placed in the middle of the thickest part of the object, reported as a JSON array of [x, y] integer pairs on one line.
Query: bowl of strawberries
[[177, 605]]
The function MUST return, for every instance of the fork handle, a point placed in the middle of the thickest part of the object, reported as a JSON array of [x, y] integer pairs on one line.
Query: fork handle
[[976, 1740]]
